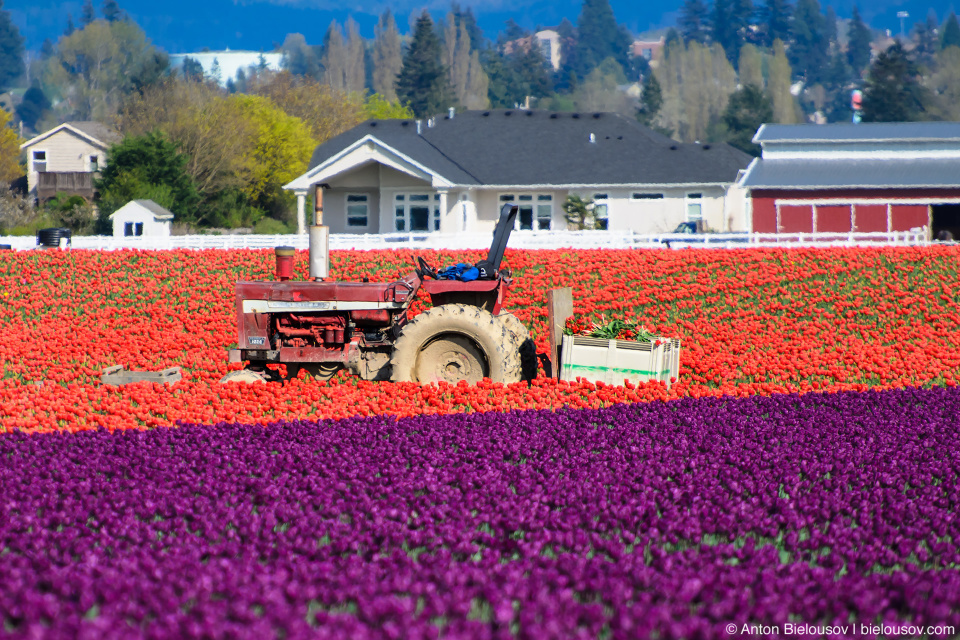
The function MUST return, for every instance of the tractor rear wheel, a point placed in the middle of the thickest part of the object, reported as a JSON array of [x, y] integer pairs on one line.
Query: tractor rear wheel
[[523, 343], [454, 342]]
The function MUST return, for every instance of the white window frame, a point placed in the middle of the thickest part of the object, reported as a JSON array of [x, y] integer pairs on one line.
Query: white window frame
[[33, 159], [689, 199], [601, 209], [134, 228], [402, 200], [91, 159], [536, 201], [346, 210]]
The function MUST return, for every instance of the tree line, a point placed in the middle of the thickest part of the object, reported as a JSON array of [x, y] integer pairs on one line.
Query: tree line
[[724, 69]]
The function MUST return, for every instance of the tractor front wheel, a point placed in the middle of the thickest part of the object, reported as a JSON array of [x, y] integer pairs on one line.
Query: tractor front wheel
[[454, 342]]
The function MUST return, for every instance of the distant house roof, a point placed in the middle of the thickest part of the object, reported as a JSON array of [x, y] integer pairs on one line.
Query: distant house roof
[[96, 133], [518, 148], [159, 213], [830, 174], [863, 132]]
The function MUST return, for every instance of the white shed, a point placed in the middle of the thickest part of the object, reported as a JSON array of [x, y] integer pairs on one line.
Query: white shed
[[141, 218]]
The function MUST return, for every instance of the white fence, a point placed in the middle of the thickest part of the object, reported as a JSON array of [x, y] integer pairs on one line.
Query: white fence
[[518, 240]]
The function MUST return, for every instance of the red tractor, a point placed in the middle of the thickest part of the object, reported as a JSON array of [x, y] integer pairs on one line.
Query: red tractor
[[324, 326]]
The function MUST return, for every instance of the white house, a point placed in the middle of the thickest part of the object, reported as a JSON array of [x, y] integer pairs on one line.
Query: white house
[[66, 159], [451, 174], [141, 218]]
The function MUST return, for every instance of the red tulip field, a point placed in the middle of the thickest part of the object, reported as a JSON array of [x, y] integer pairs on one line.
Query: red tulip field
[[801, 477], [751, 322]]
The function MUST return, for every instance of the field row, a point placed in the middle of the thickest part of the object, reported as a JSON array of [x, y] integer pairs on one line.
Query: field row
[[673, 519], [751, 322]]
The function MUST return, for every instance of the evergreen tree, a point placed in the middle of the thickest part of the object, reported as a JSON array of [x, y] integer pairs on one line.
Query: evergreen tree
[[729, 25], [774, 21], [33, 107], [600, 37], [951, 32], [155, 67], [858, 43], [87, 14], [893, 92], [692, 21], [387, 56], [192, 69], [927, 42], [808, 52], [422, 83], [112, 11], [68, 31], [11, 51], [747, 110], [651, 101], [830, 30]]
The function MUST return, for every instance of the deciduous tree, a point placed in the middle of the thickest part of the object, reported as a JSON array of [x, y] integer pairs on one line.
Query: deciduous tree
[[10, 169], [387, 56], [95, 67], [697, 82], [751, 67], [148, 166], [778, 87], [298, 57]]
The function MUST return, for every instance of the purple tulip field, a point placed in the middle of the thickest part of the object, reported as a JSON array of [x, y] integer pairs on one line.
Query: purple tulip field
[[660, 520]]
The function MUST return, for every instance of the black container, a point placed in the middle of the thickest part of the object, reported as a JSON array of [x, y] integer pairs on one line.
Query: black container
[[51, 237]]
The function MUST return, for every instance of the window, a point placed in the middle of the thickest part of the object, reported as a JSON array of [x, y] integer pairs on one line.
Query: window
[[694, 207], [39, 160], [647, 53], [358, 210], [535, 211], [600, 212], [133, 229], [648, 196], [414, 212], [94, 163]]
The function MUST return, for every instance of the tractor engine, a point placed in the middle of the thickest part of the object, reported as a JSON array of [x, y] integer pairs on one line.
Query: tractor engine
[[300, 330]]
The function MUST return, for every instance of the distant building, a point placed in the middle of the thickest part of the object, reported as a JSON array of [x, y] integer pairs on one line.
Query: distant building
[[229, 62], [547, 40], [66, 159], [870, 177], [141, 218], [647, 49]]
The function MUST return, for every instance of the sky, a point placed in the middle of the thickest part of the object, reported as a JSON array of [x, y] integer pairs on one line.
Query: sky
[[183, 26]]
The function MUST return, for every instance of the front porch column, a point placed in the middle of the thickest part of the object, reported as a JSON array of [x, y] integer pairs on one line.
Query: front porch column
[[444, 212], [301, 211]]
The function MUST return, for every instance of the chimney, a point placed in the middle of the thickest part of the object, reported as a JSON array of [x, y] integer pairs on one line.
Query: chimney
[[593, 138], [450, 112], [419, 125], [430, 123]]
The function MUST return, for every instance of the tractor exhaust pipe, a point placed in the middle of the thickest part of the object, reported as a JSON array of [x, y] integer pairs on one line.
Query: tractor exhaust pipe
[[319, 241], [284, 262]]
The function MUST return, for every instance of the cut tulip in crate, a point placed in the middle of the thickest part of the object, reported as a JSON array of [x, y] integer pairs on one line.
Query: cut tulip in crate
[[608, 360]]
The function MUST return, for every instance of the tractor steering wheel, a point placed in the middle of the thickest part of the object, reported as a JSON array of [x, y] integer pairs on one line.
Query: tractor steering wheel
[[425, 269]]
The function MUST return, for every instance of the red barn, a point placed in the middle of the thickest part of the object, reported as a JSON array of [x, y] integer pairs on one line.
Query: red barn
[[856, 177]]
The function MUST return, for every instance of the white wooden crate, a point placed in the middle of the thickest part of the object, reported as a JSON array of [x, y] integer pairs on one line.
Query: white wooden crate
[[615, 361]]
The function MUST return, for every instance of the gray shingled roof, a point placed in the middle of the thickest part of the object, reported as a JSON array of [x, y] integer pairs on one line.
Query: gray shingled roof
[[101, 132], [158, 212], [807, 174], [863, 132], [516, 148]]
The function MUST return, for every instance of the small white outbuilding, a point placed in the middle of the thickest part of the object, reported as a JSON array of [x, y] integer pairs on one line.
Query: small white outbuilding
[[141, 218]]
